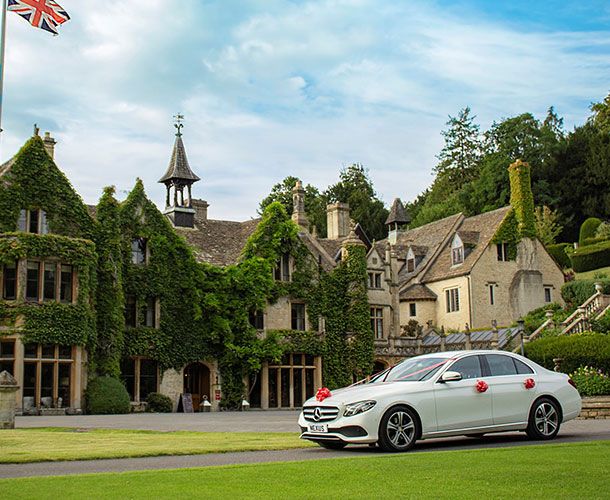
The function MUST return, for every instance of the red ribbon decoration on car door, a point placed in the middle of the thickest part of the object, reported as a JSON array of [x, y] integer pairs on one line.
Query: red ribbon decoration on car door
[[529, 383], [322, 394], [481, 386]]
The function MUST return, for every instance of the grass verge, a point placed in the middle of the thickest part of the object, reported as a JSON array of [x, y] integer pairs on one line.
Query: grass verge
[[52, 444], [589, 275], [551, 471]]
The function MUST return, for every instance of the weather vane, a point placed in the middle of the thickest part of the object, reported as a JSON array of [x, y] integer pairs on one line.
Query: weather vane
[[179, 117]]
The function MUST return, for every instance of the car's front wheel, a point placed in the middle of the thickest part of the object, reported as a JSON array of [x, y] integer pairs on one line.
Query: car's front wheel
[[398, 429], [332, 445], [544, 420]]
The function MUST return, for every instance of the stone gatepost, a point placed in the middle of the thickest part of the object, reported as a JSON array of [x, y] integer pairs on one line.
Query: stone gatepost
[[8, 387]]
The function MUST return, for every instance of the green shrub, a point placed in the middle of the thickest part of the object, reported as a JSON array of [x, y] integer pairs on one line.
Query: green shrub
[[159, 403], [576, 292], [590, 349], [106, 395], [558, 252], [603, 231], [602, 325], [586, 258], [588, 229], [533, 319], [591, 382]]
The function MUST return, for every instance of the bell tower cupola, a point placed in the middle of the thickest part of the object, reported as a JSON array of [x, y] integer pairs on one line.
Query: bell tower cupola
[[178, 178]]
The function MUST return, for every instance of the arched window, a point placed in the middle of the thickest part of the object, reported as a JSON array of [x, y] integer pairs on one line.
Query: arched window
[[457, 250]]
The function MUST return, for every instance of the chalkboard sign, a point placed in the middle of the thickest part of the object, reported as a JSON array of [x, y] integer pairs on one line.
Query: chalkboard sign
[[186, 402]]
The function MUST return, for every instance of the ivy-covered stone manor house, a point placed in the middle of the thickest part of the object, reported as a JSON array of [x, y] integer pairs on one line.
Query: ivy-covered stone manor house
[[175, 302]]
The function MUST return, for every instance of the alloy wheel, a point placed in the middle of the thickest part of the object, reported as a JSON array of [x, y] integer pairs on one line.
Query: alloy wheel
[[546, 419], [400, 429]]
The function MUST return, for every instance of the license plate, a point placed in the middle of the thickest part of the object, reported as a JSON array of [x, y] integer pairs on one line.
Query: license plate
[[318, 428]]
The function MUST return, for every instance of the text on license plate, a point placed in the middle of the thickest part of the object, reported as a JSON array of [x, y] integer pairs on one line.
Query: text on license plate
[[318, 428]]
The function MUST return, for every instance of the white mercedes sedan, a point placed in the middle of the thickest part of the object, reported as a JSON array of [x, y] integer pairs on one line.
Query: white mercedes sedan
[[443, 394]]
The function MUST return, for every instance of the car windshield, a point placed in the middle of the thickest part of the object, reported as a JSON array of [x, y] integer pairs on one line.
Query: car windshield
[[410, 370]]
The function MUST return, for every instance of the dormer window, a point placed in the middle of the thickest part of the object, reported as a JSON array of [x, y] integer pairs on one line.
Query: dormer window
[[410, 261], [457, 250], [138, 251], [33, 221]]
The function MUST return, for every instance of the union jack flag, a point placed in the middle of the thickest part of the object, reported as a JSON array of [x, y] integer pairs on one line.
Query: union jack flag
[[44, 14]]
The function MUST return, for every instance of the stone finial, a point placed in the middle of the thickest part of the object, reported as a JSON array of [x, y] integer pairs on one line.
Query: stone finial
[[599, 287], [49, 144], [7, 380], [299, 216]]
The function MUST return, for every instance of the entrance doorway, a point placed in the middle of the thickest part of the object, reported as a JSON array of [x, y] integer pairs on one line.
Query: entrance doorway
[[197, 383]]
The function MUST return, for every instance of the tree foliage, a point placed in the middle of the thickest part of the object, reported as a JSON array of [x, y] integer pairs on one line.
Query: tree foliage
[[547, 225]]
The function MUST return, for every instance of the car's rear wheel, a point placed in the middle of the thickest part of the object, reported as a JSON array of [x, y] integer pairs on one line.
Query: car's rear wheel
[[398, 429], [544, 420], [332, 445]]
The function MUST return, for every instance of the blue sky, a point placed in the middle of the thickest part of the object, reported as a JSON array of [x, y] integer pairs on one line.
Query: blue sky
[[274, 88]]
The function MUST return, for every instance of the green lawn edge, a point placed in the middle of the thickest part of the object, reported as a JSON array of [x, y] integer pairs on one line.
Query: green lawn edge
[[65, 444], [563, 470]]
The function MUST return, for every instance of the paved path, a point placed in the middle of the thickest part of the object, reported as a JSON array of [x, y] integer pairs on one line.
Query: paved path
[[225, 421], [574, 431]]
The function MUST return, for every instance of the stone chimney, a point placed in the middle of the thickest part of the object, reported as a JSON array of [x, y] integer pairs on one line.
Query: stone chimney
[[521, 198], [299, 216], [338, 221], [201, 209], [351, 240], [49, 144]]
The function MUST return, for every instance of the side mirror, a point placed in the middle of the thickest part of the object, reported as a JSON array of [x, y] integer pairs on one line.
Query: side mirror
[[450, 376]]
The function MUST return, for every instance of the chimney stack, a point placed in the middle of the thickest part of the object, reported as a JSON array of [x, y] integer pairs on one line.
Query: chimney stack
[[522, 199], [49, 144], [338, 221]]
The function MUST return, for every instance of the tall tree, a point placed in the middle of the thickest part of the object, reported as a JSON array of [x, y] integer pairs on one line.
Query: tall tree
[[356, 188], [460, 156], [315, 202], [601, 114]]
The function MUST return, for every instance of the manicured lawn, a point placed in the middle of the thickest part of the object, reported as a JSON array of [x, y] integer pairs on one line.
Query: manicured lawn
[[552, 471], [589, 275], [36, 445]]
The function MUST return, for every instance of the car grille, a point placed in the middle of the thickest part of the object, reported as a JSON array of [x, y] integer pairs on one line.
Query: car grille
[[326, 413]]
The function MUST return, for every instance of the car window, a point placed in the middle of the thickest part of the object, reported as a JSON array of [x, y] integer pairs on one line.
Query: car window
[[500, 365], [522, 368], [469, 367], [414, 369]]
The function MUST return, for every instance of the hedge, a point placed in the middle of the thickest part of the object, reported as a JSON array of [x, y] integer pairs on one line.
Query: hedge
[[588, 349], [578, 291], [558, 252], [106, 396], [589, 257], [588, 229]]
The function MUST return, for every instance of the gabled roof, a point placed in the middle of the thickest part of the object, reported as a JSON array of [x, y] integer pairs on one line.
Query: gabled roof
[[398, 214], [179, 168], [218, 242], [485, 226], [417, 291]]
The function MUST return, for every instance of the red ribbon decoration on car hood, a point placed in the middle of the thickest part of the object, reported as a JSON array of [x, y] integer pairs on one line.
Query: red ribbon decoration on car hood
[[322, 394], [481, 386], [529, 383]]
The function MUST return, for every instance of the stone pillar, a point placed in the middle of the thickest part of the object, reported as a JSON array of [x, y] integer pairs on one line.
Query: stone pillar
[[8, 387], [216, 387], [467, 343], [317, 379], [549, 317], [494, 337], [265, 386]]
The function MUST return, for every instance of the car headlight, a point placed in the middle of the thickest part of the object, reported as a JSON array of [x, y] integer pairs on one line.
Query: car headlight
[[359, 407]]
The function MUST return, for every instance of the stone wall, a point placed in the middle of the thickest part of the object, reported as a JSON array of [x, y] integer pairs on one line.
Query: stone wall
[[450, 320], [595, 407]]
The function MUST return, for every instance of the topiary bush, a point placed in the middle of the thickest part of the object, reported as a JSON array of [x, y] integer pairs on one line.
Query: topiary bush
[[589, 349], [589, 257], [558, 252], [603, 231], [591, 382], [159, 403], [578, 291], [106, 396], [588, 229]]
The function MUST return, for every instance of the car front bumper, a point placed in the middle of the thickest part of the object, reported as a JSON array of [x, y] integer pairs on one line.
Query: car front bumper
[[358, 429]]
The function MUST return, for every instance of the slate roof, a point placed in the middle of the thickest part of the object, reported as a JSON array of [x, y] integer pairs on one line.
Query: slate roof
[[417, 291], [398, 214], [485, 225], [218, 242], [505, 335], [179, 168]]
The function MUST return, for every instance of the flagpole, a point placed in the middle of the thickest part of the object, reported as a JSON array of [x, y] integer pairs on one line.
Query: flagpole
[[3, 41]]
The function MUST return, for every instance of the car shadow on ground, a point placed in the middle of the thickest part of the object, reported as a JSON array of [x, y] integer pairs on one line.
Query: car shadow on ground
[[463, 442]]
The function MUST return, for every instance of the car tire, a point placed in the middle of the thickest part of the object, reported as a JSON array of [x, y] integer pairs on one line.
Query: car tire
[[398, 429], [544, 420], [332, 445]]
